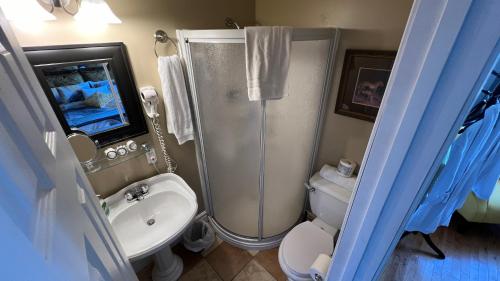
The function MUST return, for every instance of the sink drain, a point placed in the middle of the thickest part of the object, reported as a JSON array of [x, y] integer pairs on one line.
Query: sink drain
[[151, 221]]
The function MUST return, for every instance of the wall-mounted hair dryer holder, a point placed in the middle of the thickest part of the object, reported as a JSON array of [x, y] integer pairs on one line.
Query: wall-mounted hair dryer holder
[[150, 101]]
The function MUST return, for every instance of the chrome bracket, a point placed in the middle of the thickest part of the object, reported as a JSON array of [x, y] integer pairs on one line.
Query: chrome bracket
[[317, 277], [309, 187]]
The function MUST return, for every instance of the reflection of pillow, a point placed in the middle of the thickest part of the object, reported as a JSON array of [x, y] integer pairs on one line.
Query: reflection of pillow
[[62, 79], [104, 86], [72, 105], [93, 74], [102, 83], [97, 84], [99, 97], [72, 93]]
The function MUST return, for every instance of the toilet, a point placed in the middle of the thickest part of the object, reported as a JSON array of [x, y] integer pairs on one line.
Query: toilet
[[302, 245]]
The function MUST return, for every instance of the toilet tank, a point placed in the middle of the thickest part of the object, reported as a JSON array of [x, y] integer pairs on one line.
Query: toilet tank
[[328, 200]]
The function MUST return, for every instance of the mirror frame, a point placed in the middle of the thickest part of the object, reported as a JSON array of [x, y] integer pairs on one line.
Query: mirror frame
[[43, 57]]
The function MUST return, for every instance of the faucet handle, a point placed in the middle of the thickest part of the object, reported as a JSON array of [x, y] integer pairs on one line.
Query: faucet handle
[[129, 196], [144, 188]]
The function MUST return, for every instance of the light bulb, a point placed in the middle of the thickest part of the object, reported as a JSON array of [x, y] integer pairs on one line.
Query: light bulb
[[96, 11], [25, 11]]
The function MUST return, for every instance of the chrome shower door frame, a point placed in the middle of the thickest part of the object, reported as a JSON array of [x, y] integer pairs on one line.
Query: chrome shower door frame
[[237, 36]]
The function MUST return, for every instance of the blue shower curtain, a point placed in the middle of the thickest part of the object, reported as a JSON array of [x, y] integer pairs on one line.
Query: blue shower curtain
[[473, 164]]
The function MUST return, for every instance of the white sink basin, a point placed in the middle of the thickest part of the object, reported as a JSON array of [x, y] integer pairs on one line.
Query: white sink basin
[[147, 226]]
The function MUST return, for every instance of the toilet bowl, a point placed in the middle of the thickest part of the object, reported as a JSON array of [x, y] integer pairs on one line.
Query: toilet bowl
[[302, 245], [300, 248]]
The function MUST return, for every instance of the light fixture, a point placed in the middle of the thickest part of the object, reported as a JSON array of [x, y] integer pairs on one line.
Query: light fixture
[[25, 11], [88, 11], [96, 11], [65, 5]]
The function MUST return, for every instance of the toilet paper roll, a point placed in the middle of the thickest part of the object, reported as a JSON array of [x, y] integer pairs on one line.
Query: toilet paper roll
[[346, 167], [320, 267]]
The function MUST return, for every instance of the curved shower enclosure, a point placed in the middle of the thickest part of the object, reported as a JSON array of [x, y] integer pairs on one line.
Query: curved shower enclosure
[[254, 157]]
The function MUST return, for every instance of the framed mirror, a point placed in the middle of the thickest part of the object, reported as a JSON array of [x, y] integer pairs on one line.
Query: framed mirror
[[91, 89]]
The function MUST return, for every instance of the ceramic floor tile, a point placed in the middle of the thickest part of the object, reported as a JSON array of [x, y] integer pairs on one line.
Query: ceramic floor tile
[[253, 253], [202, 271], [269, 260], [216, 244], [253, 271], [228, 260]]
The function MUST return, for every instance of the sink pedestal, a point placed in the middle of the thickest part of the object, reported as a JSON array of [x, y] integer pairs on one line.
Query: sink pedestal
[[168, 266]]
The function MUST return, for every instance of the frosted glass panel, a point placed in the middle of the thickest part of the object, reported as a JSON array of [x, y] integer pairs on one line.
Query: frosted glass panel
[[231, 126], [290, 134]]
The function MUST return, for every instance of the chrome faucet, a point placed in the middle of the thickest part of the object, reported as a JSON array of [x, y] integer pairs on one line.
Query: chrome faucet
[[136, 193]]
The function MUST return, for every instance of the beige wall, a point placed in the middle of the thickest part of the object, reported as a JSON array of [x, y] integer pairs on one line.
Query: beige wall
[[365, 24], [140, 20], [375, 24]]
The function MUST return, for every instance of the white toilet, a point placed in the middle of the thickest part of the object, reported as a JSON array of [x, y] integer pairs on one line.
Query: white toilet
[[302, 245]]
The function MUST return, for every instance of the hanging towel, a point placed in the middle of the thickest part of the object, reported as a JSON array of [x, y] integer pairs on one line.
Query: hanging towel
[[267, 53], [460, 174], [175, 98], [489, 169], [489, 175]]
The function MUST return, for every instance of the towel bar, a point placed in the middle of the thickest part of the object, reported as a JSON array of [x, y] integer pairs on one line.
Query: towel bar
[[162, 37]]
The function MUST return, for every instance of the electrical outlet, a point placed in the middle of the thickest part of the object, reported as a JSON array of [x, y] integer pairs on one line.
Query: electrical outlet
[[151, 156]]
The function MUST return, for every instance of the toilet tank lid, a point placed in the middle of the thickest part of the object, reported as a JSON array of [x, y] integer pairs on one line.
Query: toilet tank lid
[[341, 193]]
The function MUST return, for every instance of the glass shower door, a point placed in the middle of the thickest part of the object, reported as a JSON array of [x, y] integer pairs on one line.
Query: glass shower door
[[230, 125], [290, 134], [254, 156]]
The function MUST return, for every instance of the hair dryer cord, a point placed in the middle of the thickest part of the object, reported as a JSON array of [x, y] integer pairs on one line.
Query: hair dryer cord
[[171, 165]]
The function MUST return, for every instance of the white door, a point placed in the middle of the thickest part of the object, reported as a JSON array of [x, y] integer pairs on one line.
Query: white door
[[448, 49], [51, 227]]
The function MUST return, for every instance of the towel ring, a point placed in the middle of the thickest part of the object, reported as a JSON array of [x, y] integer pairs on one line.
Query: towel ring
[[162, 37]]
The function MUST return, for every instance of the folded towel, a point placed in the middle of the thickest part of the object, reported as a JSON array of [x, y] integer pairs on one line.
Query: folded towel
[[330, 173], [175, 98], [267, 53]]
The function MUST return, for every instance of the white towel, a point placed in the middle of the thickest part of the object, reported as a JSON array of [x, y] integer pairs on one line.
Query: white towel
[[267, 52], [175, 98], [330, 173]]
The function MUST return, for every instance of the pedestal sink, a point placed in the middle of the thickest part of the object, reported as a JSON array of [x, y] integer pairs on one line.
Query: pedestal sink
[[148, 226]]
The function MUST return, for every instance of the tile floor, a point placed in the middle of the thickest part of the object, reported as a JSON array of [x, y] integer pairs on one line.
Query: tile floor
[[225, 262]]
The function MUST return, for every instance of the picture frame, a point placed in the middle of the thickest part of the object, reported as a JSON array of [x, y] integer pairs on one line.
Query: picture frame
[[47, 61], [365, 74]]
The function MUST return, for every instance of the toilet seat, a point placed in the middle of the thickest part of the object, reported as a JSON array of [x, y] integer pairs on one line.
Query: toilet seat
[[300, 248]]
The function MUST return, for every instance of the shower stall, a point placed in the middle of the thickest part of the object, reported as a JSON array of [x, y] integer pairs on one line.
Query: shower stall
[[254, 157]]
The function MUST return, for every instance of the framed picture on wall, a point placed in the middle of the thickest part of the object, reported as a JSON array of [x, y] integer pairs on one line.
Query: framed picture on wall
[[362, 85]]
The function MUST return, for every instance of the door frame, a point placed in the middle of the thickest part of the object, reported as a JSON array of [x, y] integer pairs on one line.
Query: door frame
[[447, 50]]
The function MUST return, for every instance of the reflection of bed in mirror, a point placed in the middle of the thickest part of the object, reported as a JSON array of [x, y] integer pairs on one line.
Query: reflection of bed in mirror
[[86, 98], [91, 89]]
